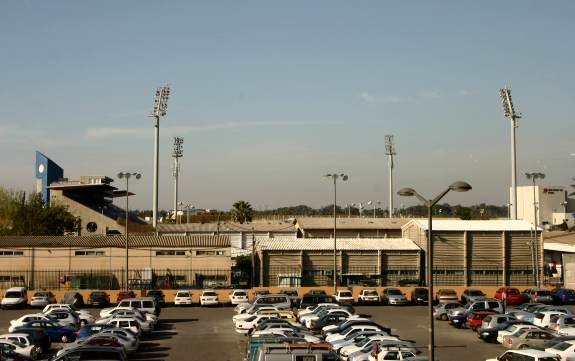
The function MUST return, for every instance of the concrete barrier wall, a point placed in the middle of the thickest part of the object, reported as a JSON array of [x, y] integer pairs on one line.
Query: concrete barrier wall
[[224, 293]]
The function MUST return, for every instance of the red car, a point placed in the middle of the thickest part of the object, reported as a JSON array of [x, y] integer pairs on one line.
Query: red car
[[512, 295], [125, 294], [476, 318]]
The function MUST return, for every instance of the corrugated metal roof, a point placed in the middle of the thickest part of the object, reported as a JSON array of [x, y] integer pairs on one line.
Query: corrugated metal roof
[[559, 237], [312, 244], [114, 241], [474, 225], [311, 223], [228, 227], [560, 247]]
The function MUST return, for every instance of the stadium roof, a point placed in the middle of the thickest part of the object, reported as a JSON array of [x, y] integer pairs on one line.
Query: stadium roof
[[474, 225], [228, 227], [348, 244], [119, 241], [310, 223]]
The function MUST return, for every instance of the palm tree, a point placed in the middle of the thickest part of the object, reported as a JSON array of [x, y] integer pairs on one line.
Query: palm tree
[[242, 212]]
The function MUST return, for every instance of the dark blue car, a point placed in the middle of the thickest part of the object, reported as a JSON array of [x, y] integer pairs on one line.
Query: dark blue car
[[563, 295], [55, 331], [92, 329]]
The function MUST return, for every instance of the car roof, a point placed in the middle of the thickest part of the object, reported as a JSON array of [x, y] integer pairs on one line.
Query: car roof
[[533, 352]]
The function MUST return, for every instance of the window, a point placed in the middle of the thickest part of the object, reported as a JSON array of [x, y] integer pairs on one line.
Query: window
[[305, 358], [11, 253], [89, 253], [167, 252], [391, 355], [209, 253]]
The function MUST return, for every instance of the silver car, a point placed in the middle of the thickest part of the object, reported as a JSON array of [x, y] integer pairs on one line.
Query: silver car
[[42, 299], [393, 296], [440, 311]]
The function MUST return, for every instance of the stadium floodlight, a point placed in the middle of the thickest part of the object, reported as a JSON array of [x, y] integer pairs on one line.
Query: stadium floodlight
[[509, 111], [390, 152], [160, 110], [344, 178], [177, 153], [127, 176]]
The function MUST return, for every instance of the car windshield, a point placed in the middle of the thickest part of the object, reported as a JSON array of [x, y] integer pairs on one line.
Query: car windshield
[[13, 294], [41, 294], [475, 293], [562, 346], [240, 294], [449, 306], [394, 292], [183, 294], [250, 319], [345, 294], [370, 293], [209, 294]]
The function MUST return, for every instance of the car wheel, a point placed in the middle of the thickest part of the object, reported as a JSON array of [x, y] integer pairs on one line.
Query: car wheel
[[64, 339], [443, 317]]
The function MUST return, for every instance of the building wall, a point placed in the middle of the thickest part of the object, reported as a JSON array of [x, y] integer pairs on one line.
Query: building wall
[[353, 233], [86, 214], [549, 200]]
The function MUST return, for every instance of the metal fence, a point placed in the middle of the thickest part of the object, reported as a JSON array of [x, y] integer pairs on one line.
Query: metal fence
[[115, 279]]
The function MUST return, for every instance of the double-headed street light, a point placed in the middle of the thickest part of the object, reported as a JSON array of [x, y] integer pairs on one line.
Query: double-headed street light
[[335, 177], [127, 175], [429, 203], [534, 176]]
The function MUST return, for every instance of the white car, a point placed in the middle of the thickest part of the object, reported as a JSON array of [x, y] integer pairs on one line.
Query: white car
[[340, 311], [245, 326], [565, 350], [344, 296], [368, 296], [27, 318], [543, 319], [238, 296], [350, 349], [257, 311], [42, 298], [512, 330], [128, 323], [22, 349], [130, 346], [127, 334], [15, 297], [145, 325], [315, 309], [287, 332], [23, 338], [336, 336], [65, 317], [209, 298], [85, 316], [107, 313], [183, 298], [528, 354], [329, 329]]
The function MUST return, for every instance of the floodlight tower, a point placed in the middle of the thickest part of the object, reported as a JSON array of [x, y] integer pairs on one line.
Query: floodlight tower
[[177, 153], [509, 111], [390, 152], [160, 110]]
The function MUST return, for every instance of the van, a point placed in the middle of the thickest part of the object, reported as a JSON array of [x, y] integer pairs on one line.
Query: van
[[144, 304], [296, 352], [15, 297], [280, 301]]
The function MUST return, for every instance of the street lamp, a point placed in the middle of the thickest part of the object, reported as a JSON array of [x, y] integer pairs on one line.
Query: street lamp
[[344, 178], [177, 153], [534, 176], [127, 175], [509, 112], [160, 110], [430, 203], [187, 207]]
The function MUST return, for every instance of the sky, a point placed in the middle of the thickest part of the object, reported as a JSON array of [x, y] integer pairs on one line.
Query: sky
[[269, 96]]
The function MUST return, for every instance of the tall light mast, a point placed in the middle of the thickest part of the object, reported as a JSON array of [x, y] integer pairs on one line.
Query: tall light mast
[[509, 111], [160, 109], [177, 153], [390, 152]]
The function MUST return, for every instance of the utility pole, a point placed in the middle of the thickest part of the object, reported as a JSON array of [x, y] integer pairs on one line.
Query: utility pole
[[160, 109], [390, 152], [253, 258], [509, 111], [177, 153]]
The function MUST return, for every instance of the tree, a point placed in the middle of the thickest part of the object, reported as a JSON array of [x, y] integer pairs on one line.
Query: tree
[[242, 212]]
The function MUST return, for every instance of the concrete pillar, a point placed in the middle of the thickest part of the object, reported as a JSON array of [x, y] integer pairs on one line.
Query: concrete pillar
[[379, 267], [465, 259], [504, 278]]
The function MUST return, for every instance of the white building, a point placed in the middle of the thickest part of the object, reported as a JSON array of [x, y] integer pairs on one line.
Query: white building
[[553, 206]]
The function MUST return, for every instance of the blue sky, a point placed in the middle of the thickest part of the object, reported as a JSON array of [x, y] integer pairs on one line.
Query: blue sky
[[271, 95]]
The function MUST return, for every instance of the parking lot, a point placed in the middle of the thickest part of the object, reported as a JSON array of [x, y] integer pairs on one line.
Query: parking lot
[[206, 334]]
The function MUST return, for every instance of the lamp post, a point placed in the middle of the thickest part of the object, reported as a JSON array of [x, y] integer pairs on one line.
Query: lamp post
[[534, 176], [344, 178], [160, 109], [509, 112], [127, 175], [430, 203]]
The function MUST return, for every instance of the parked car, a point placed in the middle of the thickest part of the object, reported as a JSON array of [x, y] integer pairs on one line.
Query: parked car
[[15, 297], [513, 330], [312, 299], [84, 315], [238, 296], [472, 295], [64, 317], [393, 296], [100, 353], [39, 341], [55, 331], [343, 296], [527, 339], [485, 305], [475, 319], [99, 299], [539, 295], [91, 329], [293, 296], [209, 298], [108, 341], [19, 348], [261, 293], [445, 295], [543, 319], [22, 320], [183, 298], [128, 323], [440, 311], [122, 295], [330, 318], [368, 296], [420, 296], [144, 304], [531, 355], [565, 350], [489, 334], [158, 296], [562, 323], [563, 296], [42, 298], [122, 332], [511, 295], [73, 298]]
